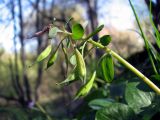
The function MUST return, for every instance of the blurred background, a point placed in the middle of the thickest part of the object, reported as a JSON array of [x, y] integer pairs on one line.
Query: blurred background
[[23, 86]]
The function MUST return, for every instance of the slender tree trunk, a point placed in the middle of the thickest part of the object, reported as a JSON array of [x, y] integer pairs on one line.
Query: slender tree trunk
[[92, 13], [39, 47], [26, 89]]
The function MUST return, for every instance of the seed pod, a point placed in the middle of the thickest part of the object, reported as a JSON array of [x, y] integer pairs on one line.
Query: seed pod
[[84, 90], [44, 53], [81, 67], [107, 68]]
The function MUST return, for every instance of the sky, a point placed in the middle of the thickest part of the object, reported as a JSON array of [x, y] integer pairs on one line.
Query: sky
[[117, 14]]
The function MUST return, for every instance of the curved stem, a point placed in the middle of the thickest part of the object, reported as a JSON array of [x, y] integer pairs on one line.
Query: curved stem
[[128, 65]]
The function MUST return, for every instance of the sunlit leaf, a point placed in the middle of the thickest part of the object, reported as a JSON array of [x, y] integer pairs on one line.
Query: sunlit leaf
[[44, 53], [105, 40], [53, 32], [77, 31], [84, 90], [52, 59], [116, 111]]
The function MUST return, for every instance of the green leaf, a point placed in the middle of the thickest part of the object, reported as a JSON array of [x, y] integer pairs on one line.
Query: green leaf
[[136, 98], [95, 32], [105, 40], [116, 111], [77, 31], [97, 104], [84, 90], [53, 32], [44, 53], [107, 68], [52, 59]]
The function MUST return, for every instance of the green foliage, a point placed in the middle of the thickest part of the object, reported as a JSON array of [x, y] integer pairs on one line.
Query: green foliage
[[116, 111], [100, 103], [105, 40], [77, 31], [97, 104], [137, 99], [44, 53]]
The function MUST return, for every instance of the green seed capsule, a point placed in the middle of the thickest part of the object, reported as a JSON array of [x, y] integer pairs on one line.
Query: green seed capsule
[[84, 90], [81, 67]]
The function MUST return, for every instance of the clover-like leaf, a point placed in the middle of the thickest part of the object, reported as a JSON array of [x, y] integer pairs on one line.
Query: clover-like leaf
[[77, 31], [105, 40]]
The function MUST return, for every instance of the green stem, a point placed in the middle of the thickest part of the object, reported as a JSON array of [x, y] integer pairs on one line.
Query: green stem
[[43, 111], [128, 65]]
